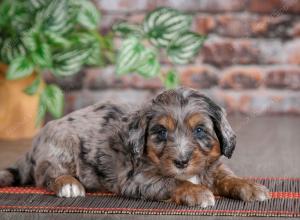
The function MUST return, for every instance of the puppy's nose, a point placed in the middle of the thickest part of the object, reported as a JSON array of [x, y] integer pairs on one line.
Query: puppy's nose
[[181, 163]]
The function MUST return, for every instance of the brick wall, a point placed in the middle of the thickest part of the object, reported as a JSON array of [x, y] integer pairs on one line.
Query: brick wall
[[250, 62]]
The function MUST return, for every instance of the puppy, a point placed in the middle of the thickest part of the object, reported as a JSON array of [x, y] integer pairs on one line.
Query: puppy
[[167, 150]]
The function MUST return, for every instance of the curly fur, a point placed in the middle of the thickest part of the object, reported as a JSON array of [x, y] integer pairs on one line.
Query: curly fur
[[153, 152]]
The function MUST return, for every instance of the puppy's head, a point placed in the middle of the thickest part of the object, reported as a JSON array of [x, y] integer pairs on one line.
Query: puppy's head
[[181, 132]]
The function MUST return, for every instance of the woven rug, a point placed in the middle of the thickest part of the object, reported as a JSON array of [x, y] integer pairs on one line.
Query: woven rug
[[285, 202]]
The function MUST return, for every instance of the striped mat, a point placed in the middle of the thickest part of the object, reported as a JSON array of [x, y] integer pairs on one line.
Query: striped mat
[[285, 202]]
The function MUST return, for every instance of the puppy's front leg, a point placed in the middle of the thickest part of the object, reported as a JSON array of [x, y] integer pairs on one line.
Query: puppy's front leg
[[228, 185], [161, 188]]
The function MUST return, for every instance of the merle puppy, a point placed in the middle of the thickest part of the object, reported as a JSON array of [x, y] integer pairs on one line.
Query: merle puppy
[[167, 150]]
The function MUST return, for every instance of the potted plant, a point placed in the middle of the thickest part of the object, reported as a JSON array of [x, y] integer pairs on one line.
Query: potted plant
[[59, 36]]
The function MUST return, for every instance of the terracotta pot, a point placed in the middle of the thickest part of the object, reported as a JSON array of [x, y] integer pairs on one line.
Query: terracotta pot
[[18, 111]]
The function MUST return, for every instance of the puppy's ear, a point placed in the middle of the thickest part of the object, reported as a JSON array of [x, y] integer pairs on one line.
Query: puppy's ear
[[224, 132], [137, 128]]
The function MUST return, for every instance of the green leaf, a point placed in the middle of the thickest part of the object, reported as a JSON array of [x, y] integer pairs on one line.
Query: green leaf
[[165, 24], [125, 29], [11, 49], [107, 48], [149, 66], [107, 40], [56, 39], [185, 47], [42, 55], [69, 62], [54, 17], [53, 97], [19, 68], [89, 41], [129, 56], [32, 89], [39, 3], [1, 44], [21, 21], [95, 57], [88, 16], [14, 16], [5, 7], [171, 80], [83, 38], [30, 39], [41, 111]]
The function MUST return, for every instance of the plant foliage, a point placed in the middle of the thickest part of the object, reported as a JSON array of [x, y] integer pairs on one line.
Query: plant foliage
[[59, 36], [163, 30]]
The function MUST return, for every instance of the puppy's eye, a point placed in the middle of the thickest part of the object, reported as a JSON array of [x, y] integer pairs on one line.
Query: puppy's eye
[[162, 134], [199, 132]]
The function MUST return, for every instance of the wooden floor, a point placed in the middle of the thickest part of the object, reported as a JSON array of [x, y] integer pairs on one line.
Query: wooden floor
[[267, 146]]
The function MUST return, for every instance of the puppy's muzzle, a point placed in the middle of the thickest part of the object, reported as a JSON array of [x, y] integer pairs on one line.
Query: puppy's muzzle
[[181, 164]]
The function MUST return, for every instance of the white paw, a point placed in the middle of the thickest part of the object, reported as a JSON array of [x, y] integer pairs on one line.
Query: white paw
[[71, 190], [262, 194], [208, 200], [249, 191]]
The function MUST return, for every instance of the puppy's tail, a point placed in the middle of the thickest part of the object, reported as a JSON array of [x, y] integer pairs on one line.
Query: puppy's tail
[[18, 174]]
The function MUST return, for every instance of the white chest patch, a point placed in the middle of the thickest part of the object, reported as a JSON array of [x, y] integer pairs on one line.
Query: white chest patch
[[194, 179]]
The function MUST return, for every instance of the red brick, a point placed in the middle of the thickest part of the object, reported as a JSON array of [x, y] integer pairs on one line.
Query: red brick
[[191, 5], [73, 82], [295, 32], [222, 6], [126, 5], [136, 18], [252, 25], [271, 51], [76, 100], [283, 77], [271, 26], [258, 102], [204, 5], [230, 25], [199, 77], [241, 78], [204, 24], [265, 6], [108, 19], [97, 78], [222, 52], [292, 50], [139, 82], [275, 7]]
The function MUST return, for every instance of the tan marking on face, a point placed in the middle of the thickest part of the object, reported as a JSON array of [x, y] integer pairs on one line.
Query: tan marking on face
[[195, 160], [168, 122], [215, 150], [166, 162], [194, 120], [152, 153], [200, 161]]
